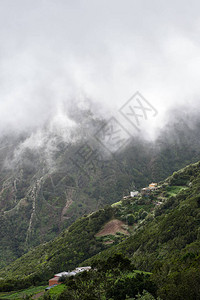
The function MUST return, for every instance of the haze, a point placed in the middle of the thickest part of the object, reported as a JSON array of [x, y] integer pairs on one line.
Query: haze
[[57, 53]]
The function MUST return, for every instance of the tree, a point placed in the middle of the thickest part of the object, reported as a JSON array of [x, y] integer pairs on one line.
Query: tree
[[130, 219]]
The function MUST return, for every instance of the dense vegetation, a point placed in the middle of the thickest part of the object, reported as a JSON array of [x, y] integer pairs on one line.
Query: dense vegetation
[[168, 246], [38, 184], [65, 252], [163, 239], [114, 279], [73, 246]]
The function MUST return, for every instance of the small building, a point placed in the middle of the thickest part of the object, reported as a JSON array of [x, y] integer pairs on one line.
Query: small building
[[61, 274], [82, 269], [134, 193], [145, 191], [54, 281], [153, 185]]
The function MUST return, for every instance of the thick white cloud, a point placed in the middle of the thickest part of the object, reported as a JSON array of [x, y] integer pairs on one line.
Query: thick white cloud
[[55, 51]]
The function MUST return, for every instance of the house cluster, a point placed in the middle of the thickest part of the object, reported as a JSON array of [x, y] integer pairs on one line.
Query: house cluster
[[147, 190], [55, 280]]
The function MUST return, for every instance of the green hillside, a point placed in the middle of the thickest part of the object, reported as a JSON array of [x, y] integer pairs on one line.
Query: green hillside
[[45, 183], [162, 237], [82, 240], [169, 245]]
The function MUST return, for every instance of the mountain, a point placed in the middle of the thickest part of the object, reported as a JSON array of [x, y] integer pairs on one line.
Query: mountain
[[49, 178], [159, 234], [168, 245]]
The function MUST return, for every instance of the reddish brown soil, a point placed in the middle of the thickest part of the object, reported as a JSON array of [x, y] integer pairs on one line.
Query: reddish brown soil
[[112, 227]]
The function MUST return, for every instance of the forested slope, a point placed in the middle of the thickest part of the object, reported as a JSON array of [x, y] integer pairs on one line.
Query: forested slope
[[38, 184], [163, 238], [169, 245]]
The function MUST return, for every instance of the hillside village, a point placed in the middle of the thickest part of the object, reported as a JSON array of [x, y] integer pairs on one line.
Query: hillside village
[[146, 190], [114, 227], [57, 279], [153, 194]]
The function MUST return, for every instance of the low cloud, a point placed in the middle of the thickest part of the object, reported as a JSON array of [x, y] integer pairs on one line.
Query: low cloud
[[55, 56]]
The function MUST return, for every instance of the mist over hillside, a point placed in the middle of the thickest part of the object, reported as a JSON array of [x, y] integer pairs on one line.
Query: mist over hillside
[[97, 99], [60, 174]]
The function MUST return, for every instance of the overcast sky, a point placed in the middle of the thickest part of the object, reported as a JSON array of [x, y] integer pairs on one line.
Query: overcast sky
[[55, 52]]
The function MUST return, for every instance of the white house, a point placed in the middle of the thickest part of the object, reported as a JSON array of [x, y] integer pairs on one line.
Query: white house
[[134, 193], [82, 269], [73, 272], [61, 274]]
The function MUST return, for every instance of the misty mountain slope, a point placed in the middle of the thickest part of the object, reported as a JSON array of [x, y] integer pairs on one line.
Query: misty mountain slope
[[45, 185], [163, 240]]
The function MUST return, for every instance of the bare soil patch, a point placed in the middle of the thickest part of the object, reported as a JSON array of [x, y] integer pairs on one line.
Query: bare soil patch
[[112, 227]]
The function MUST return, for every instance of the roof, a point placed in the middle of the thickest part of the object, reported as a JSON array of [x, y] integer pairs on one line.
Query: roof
[[82, 268], [49, 287], [74, 272], [61, 274]]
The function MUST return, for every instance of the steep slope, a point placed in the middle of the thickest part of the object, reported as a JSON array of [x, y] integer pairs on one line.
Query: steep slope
[[65, 252], [83, 239], [53, 181], [164, 239], [169, 245]]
